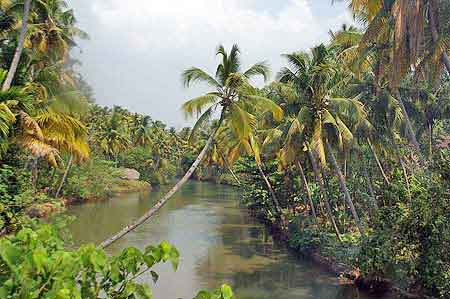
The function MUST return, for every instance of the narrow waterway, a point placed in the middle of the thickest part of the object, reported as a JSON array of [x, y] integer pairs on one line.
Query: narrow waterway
[[218, 241]]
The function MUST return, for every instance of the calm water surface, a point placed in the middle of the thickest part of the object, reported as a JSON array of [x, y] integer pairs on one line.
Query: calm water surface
[[218, 241]]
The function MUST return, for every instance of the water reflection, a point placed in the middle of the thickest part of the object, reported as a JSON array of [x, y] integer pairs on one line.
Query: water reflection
[[218, 241]]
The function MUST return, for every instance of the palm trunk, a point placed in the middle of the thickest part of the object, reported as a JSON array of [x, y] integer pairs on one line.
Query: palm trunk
[[409, 127], [63, 179], [34, 173], [308, 192], [373, 203], [380, 166], [373, 199], [344, 189], [324, 194], [345, 161], [168, 195], [18, 53], [435, 33], [230, 170], [430, 140], [269, 186]]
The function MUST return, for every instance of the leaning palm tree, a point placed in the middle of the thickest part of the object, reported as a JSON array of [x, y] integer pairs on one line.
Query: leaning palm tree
[[231, 98], [323, 115]]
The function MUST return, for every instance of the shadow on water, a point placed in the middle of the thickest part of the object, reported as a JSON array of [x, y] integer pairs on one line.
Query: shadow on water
[[219, 242]]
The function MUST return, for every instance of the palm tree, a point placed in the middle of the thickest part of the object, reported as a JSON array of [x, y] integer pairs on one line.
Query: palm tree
[[398, 33], [292, 143], [52, 31], [19, 48], [140, 131], [323, 114], [113, 137], [231, 97]]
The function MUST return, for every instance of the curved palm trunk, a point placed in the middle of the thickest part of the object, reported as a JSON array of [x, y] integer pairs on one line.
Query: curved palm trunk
[[435, 33], [430, 140], [323, 192], [373, 199], [308, 192], [63, 179], [269, 186], [409, 127], [230, 170], [168, 195], [19, 48], [380, 166], [344, 189]]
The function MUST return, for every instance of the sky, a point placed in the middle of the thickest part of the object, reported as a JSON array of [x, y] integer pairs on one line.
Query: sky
[[138, 48]]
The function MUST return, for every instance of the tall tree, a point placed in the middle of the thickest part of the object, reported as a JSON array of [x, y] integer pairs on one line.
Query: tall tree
[[232, 95], [323, 113]]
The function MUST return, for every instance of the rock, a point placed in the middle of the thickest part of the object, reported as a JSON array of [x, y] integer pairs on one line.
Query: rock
[[130, 174]]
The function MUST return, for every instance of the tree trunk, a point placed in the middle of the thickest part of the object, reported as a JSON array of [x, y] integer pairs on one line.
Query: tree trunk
[[324, 194], [18, 53], [63, 179], [409, 127], [345, 161], [380, 166], [373, 199], [229, 169], [168, 195], [430, 140], [308, 192], [344, 189], [34, 173], [435, 33], [269, 186]]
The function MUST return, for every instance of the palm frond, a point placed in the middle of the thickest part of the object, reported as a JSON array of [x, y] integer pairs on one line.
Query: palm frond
[[260, 68], [196, 75], [197, 105]]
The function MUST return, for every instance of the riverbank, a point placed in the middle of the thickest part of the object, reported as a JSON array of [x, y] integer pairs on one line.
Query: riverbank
[[320, 255], [54, 206]]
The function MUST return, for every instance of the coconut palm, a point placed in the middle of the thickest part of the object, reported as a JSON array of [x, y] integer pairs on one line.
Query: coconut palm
[[231, 98], [403, 35], [323, 114], [52, 30], [290, 141], [113, 138], [140, 131]]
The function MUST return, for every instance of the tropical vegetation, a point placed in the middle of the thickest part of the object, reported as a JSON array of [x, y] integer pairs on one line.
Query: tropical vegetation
[[346, 153]]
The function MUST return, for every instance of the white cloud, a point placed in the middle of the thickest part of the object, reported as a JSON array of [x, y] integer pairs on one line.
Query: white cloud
[[139, 47]]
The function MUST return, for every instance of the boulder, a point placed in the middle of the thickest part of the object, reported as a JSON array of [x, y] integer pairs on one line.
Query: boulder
[[130, 174]]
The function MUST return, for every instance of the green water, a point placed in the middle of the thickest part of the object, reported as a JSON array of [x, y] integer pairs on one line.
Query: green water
[[218, 241]]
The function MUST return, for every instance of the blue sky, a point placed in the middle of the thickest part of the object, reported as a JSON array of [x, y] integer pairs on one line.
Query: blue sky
[[138, 48]]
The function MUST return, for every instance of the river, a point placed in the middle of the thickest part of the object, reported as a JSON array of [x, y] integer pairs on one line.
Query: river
[[218, 240]]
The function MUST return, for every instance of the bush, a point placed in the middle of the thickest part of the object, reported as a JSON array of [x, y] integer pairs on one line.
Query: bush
[[93, 179], [411, 239], [35, 265], [15, 197]]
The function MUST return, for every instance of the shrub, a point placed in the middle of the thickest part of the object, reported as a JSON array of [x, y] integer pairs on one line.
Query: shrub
[[411, 239], [93, 179]]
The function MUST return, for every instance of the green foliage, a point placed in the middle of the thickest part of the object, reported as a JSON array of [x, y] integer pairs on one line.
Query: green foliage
[[225, 292], [35, 264], [15, 197], [410, 240]]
